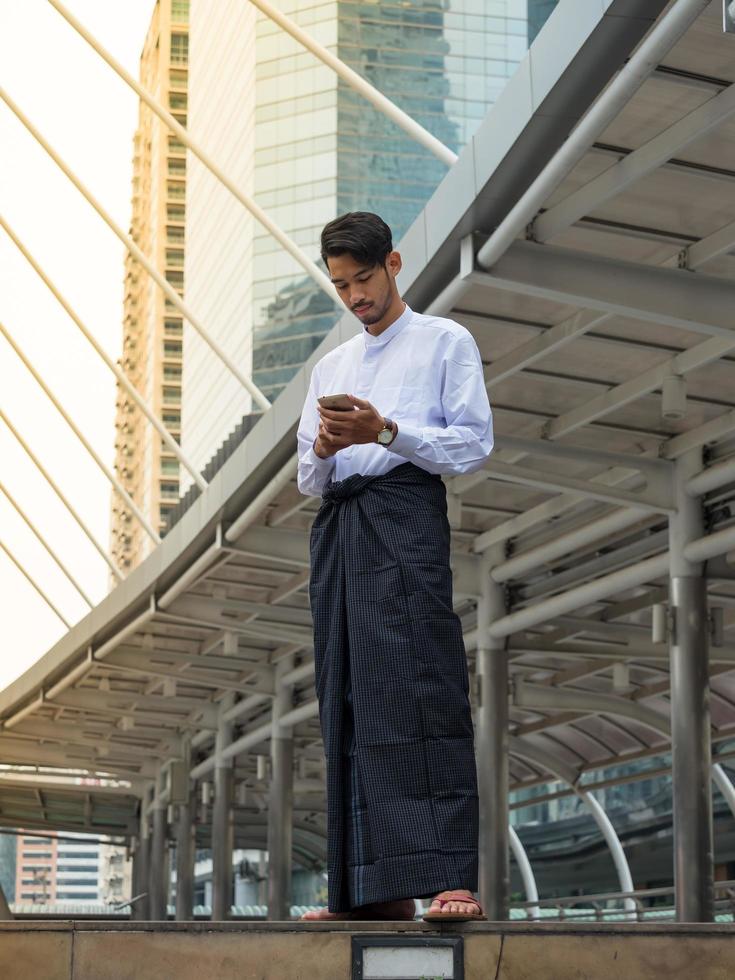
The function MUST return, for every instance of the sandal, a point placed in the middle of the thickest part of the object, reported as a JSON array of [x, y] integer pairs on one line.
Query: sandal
[[444, 899]]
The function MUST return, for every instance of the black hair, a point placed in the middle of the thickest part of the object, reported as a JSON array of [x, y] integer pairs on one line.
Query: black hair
[[361, 234]]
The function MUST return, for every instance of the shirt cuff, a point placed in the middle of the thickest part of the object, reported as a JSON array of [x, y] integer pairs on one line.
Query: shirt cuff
[[407, 442], [319, 465]]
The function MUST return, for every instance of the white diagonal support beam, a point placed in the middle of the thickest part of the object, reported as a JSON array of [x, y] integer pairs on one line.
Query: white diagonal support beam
[[35, 585], [637, 164], [163, 284], [355, 81], [120, 375], [54, 486], [45, 544], [129, 502]]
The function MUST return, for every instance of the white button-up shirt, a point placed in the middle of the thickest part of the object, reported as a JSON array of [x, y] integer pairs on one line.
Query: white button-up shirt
[[425, 373]]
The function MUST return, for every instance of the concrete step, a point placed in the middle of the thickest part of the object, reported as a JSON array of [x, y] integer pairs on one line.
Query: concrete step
[[68, 950]]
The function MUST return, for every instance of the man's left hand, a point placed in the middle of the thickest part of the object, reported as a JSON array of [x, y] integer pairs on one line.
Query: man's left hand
[[356, 428]]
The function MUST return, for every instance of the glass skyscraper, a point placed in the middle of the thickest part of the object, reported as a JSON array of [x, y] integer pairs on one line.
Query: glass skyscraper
[[308, 148]]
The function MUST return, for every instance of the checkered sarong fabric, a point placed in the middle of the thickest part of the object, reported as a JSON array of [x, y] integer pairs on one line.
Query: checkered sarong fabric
[[392, 684]]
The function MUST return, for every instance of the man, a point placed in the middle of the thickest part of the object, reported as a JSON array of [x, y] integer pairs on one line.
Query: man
[[391, 671]]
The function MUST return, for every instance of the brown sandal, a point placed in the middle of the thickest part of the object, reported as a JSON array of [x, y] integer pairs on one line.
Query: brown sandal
[[448, 897]]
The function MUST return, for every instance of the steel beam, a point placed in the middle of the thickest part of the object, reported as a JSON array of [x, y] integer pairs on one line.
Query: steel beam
[[491, 734], [222, 821], [158, 868], [643, 160], [141, 871], [280, 808], [690, 717], [185, 846]]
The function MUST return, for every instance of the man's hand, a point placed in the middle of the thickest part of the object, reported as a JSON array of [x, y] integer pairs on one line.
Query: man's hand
[[338, 430]]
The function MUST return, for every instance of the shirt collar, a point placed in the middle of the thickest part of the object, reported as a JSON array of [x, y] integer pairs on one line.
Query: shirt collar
[[393, 330]]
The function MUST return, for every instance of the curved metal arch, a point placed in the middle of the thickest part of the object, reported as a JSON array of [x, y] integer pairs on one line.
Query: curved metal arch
[[527, 876], [568, 775]]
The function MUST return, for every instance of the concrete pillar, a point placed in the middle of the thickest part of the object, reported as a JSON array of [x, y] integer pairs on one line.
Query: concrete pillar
[[491, 737], [222, 821], [690, 718], [280, 809], [158, 873], [185, 849], [140, 911]]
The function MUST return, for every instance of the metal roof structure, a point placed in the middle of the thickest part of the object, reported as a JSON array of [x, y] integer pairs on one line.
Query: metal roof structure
[[586, 237]]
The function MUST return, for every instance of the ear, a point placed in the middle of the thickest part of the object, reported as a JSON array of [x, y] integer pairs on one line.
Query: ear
[[394, 263]]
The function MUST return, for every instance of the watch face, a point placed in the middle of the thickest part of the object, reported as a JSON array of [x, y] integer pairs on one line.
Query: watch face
[[385, 436]]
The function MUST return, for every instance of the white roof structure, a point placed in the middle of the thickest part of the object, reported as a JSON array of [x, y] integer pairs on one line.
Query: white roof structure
[[596, 272]]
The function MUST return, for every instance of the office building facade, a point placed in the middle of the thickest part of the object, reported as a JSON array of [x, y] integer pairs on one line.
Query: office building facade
[[152, 327], [308, 148], [57, 870]]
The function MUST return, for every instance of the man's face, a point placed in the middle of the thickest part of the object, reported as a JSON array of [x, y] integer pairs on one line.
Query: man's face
[[367, 291]]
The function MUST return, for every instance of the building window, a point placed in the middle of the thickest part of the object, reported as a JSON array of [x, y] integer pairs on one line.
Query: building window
[[177, 190], [177, 100], [171, 396], [171, 372], [179, 49], [180, 11], [174, 257], [176, 167], [174, 235], [173, 327], [175, 278], [171, 348], [170, 467], [170, 490], [175, 212], [177, 77]]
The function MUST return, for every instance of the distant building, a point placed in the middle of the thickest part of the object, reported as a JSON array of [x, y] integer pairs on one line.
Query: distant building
[[57, 870], [8, 849], [116, 874], [152, 327], [307, 148]]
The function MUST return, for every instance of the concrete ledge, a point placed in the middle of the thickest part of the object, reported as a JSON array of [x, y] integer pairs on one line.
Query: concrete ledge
[[321, 951]]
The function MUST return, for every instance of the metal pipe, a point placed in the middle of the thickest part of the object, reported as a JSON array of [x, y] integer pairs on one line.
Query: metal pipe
[[615, 97], [158, 891], [120, 375], [140, 910], [710, 545], [163, 284], [491, 735], [564, 544], [581, 595], [34, 459], [711, 478], [19, 510], [35, 585], [355, 81], [280, 804], [223, 831], [690, 717], [261, 501], [526, 872], [725, 786], [290, 246], [82, 438], [616, 848]]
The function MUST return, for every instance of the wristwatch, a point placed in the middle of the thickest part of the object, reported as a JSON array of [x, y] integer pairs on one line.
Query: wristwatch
[[386, 434]]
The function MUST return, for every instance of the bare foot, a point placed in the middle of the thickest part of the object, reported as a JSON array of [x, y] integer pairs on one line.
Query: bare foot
[[470, 907]]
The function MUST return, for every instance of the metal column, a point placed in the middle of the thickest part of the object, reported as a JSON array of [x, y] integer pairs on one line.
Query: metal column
[[185, 831], [158, 871], [223, 829], [491, 736], [690, 719], [141, 863], [280, 810]]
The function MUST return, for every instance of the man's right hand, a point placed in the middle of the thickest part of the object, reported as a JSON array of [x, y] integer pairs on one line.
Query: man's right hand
[[326, 445]]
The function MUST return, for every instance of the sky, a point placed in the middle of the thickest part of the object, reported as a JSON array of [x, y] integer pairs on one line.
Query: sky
[[88, 115]]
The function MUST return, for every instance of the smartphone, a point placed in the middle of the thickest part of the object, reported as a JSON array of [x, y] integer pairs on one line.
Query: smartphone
[[336, 403]]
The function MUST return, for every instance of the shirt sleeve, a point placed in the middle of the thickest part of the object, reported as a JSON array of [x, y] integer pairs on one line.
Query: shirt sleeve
[[313, 471], [466, 441]]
